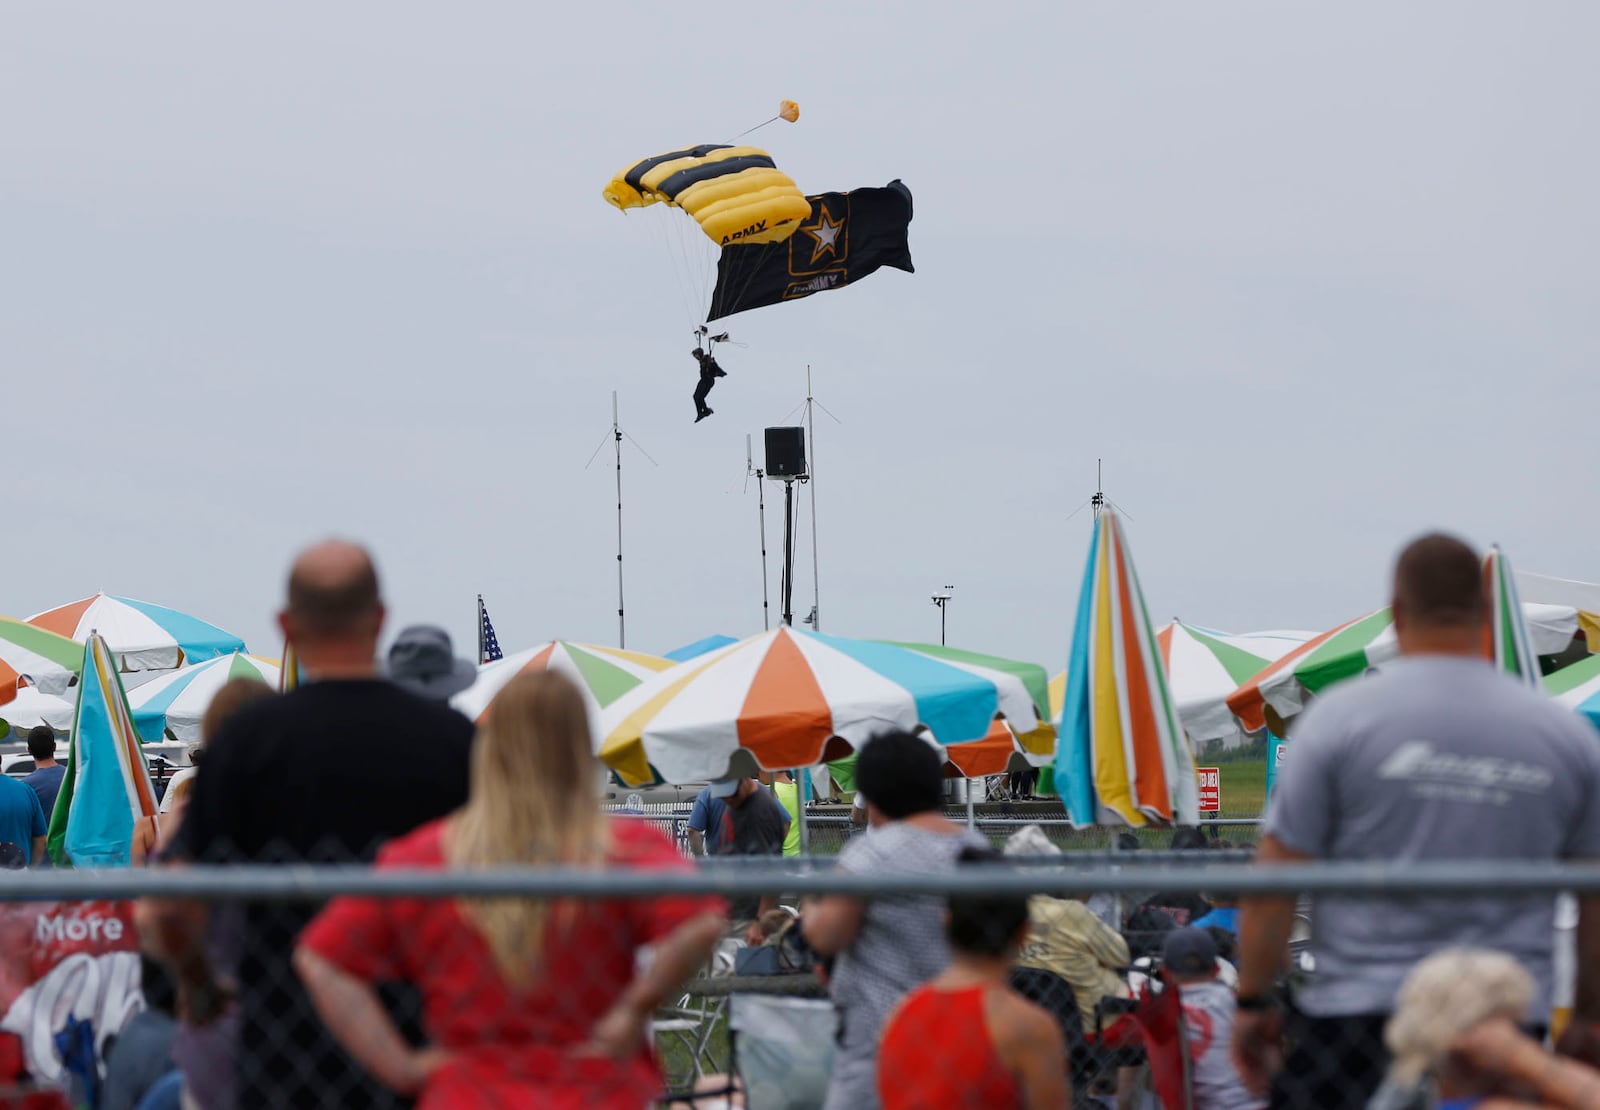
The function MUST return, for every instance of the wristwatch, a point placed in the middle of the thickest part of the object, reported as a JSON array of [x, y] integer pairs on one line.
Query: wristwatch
[[1256, 1003]]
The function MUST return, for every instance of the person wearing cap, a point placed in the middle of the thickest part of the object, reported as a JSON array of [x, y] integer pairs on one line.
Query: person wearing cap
[[754, 824], [1189, 957], [422, 660]]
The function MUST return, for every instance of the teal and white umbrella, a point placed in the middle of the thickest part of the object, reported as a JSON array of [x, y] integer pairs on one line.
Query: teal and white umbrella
[[142, 636], [170, 707]]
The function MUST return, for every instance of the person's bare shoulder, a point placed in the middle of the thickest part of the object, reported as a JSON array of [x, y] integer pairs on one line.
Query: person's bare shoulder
[[1022, 1026]]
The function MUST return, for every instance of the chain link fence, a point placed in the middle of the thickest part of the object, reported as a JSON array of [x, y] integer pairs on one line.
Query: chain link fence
[[829, 828], [528, 988]]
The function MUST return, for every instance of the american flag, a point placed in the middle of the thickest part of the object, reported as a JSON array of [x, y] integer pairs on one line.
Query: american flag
[[488, 644]]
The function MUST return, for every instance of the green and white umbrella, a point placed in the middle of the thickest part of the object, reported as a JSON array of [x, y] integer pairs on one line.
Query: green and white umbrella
[[603, 674], [1204, 666], [1578, 688], [1517, 633], [44, 659]]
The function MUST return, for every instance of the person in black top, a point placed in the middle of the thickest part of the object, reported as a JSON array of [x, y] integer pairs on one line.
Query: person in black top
[[326, 772], [709, 373], [754, 824]]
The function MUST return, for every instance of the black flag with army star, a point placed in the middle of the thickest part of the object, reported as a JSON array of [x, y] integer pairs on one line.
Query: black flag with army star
[[846, 237]]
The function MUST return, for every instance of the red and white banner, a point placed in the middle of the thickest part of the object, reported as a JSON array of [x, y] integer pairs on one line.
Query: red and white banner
[[60, 961]]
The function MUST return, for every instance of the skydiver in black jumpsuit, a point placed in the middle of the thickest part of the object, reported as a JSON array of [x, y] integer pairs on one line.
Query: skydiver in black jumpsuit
[[709, 373]]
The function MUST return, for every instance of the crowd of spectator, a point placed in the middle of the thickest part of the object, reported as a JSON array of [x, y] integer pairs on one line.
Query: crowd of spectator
[[1062, 997]]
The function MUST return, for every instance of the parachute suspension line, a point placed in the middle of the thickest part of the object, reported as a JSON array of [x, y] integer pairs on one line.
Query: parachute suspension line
[[673, 248], [787, 110], [757, 127], [694, 255]]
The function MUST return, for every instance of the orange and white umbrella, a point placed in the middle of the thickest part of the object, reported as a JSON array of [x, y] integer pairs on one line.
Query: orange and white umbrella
[[792, 698]]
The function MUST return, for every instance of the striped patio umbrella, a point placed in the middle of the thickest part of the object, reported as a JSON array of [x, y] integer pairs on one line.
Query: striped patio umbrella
[[170, 707], [1284, 687], [142, 636], [48, 661], [1578, 688], [1037, 747], [32, 707], [791, 698], [999, 752], [107, 785], [604, 674], [1287, 686], [699, 647], [1122, 756], [1205, 666]]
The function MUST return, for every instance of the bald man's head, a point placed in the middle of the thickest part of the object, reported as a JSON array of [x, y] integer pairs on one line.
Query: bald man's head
[[333, 594], [1438, 583]]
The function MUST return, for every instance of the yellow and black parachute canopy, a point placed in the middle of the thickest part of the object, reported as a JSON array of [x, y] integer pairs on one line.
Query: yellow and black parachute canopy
[[735, 193]]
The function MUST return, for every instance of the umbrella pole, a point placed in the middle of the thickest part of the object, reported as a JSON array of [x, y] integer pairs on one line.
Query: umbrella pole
[[802, 780], [972, 809]]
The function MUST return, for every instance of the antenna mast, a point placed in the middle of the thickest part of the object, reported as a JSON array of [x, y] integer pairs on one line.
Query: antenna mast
[[750, 468], [811, 434], [615, 435]]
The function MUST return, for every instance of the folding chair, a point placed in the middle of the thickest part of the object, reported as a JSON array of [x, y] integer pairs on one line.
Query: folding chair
[[690, 1024], [1159, 1013]]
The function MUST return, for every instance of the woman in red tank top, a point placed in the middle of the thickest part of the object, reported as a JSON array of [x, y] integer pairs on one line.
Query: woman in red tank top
[[966, 1039]]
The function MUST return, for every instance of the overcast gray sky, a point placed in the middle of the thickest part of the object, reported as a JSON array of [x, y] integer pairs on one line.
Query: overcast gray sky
[[1310, 278]]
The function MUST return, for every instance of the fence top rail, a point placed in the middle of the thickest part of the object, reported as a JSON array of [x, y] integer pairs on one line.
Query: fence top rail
[[306, 883]]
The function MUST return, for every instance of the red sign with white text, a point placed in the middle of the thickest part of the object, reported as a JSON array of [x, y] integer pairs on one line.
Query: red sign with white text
[[62, 960], [1210, 789]]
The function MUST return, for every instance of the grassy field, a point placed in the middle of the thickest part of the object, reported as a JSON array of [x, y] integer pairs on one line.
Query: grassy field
[[1244, 788]]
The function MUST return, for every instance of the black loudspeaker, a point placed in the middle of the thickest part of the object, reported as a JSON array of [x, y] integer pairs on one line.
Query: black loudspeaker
[[786, 452]]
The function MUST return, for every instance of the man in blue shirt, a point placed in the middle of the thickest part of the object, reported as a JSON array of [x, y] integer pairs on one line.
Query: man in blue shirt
[[706, 824], [47, 775], [21, 819]]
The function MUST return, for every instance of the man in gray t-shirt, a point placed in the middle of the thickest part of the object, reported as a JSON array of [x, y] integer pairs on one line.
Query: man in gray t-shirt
[[1439, 756], [887, 946]]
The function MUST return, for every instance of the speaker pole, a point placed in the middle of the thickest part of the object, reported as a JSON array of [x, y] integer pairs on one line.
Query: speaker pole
[[787, 598]]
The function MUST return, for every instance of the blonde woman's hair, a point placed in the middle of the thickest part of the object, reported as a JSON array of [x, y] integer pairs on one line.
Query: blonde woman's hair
[[1446, 995], [533, 801]]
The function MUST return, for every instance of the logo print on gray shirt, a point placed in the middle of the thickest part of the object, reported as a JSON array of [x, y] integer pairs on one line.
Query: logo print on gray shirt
[[1464, 778]]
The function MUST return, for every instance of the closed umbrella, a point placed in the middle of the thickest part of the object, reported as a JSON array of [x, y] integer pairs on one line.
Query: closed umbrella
[[107, 786], [1508, 642], [1122, 756]]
